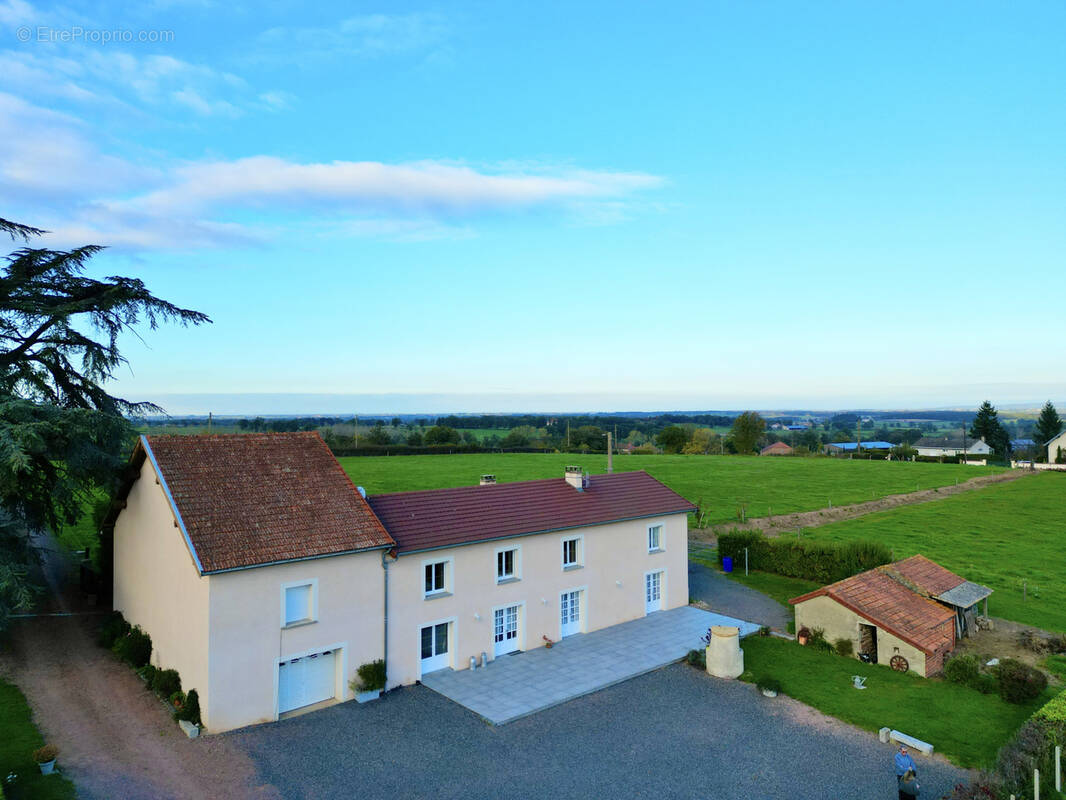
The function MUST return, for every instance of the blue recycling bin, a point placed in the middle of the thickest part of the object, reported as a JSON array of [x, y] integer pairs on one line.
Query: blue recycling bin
[[727, 564]]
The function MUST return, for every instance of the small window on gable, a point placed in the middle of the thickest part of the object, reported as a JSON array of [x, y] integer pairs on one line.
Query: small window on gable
[[572, 555], [436, 577], [655, 538], [507, 565], [299, 603]]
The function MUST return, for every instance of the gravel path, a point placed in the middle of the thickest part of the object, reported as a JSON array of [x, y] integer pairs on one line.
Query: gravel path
[[674, 733], [115, 738], [733, 599]]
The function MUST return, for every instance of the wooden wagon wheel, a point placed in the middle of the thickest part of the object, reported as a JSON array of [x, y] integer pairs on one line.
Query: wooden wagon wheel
[[899, 664]]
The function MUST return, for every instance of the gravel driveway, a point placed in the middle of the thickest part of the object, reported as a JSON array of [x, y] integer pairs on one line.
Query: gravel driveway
[[733, 599], [673, 733]]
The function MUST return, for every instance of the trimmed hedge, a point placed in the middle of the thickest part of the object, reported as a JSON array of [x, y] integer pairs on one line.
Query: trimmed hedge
[[165, 682], [135, 648], [1054, 710], [795, 558]]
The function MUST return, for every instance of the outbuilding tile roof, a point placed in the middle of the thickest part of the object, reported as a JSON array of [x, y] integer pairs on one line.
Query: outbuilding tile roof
[[448, 517], [889, 604], [927, 575], [251, 499]]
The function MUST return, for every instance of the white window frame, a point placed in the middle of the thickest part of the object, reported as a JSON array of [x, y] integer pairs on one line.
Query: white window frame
[[313, 584], [659, 545], [662, 589], [516, 575], [449, 577], [584, 607], [579, 552], [521, 604], [453, 633]]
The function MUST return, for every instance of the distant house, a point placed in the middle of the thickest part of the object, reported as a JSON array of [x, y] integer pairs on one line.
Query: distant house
[[776, 449], [951, 446], [1054, 446], [907, 615], [798, 427], [851, 447]]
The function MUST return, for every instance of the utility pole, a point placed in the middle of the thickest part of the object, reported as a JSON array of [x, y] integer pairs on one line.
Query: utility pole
[[568, 434], [610, 455], [356, 430], [209, 422], [858, 435]]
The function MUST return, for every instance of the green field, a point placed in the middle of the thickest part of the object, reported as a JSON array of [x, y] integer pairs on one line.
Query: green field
[[722, 485], [998, 536], [18, 739], [948, 715]]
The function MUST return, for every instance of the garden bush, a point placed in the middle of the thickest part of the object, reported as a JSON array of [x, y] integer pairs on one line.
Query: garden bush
[[112, 629], [768, 684], [165, 682], [135, 648], [1018, 682], [148, 673], [372, 676], [190, 712], [963, 669], [697, 658], [796, 558], [844, 647], [818, 641]]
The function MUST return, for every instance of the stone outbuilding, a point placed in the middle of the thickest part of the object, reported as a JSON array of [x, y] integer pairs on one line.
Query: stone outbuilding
[[907, 615]]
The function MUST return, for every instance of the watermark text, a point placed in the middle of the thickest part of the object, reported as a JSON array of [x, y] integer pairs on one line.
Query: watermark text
[[78, 34]]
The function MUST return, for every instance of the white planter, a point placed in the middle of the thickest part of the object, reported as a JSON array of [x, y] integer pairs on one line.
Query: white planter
[[366, 697], [47, 766], [191, 729]]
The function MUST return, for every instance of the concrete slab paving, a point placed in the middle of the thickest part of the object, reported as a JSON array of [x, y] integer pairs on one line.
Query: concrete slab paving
[[517, 685]]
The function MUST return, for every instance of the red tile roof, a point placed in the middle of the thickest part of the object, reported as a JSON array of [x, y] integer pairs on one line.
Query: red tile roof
[[447, 517], [891, 605], [252, 499], [926, 575]]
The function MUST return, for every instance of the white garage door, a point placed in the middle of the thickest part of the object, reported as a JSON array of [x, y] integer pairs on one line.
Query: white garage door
[[306, 680]]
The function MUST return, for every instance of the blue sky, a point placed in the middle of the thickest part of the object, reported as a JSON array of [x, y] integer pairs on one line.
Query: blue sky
[[569, 206]]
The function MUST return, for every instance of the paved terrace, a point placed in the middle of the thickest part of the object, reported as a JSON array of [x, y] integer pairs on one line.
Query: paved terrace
[[518, 685]]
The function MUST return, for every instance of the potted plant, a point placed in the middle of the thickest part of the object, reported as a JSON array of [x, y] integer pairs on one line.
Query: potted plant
[[768, 686], [803, 635], [46, 758], [371, 681]]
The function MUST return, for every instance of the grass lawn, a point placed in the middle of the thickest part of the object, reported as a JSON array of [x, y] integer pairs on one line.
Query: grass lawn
[[961, 723], [721, 484], [998, 536], [19, 737]]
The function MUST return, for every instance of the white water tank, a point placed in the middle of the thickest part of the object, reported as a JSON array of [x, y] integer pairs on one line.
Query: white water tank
[[725, 659]]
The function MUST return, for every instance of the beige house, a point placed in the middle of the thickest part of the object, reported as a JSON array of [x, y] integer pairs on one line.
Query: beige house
[[501, 568], [1054, 446], [265, 577]]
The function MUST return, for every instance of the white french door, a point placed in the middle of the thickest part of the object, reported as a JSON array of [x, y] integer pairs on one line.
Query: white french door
[[570, 613], [653, 592], [435, 647], [505, 630]]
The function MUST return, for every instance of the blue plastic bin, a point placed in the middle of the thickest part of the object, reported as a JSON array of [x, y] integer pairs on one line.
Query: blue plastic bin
[[727, 564]]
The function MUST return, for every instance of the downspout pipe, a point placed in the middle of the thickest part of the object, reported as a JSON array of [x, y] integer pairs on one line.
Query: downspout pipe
[[385, 648]]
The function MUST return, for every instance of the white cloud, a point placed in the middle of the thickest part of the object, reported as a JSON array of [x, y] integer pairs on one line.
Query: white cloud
[[123, 79], [16, 12], [366, 36], [56, 176], [424, 186]]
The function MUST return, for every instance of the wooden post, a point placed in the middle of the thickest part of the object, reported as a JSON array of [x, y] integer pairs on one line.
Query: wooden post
[[745, 561]]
